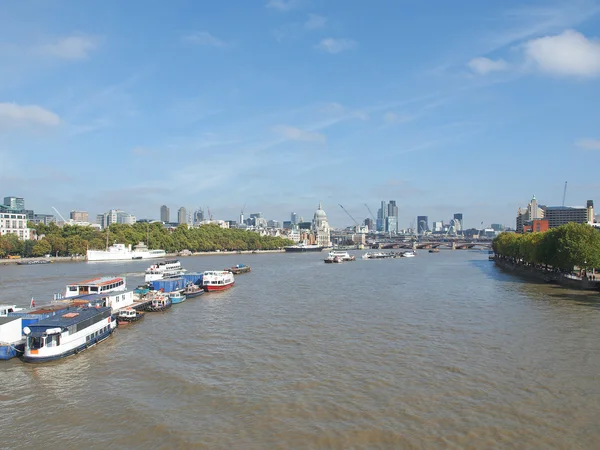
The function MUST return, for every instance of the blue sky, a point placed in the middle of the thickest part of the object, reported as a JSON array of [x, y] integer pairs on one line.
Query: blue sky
[[445, 107]]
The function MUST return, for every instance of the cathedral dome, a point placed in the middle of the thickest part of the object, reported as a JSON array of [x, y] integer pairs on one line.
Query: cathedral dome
[[319, 213]]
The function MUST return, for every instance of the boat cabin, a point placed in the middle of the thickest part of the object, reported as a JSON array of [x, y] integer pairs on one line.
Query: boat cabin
[[6, 309], [100, 285], [128, 313]]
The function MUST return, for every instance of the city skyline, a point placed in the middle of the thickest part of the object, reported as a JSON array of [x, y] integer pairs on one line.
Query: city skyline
[[283, 104]]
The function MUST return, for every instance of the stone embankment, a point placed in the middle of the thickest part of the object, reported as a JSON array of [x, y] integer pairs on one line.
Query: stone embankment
[[548, 276], [62, 259]]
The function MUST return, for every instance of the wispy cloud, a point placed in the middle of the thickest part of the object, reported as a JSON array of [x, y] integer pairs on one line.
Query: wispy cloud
[[13, 115], [483, 66], [71, 47], [297, 134], [333, 45], [339, 110], [588, 144], [569, 53], [395, 118], [315, 22], [205, 38], [283, 5]]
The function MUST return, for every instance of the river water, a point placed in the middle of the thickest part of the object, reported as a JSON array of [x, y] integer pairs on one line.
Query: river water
[[439, 351]]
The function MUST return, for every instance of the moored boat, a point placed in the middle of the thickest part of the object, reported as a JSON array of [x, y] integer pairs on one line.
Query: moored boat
[[177, 297], [409, 254], [129, 315], [193, 290], [12, 342], [239, 268], [333, 259], [70, 332], [303, 248], [217, 280], [343, 255], [122, 252], [34, 262], [100, 285], [164, 269], [159, 302]]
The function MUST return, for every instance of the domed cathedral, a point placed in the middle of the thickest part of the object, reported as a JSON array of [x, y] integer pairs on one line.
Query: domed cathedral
[[321, 228]]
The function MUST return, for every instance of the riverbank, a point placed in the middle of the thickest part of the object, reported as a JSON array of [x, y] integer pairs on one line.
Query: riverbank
[[72, 259], [567, 280]]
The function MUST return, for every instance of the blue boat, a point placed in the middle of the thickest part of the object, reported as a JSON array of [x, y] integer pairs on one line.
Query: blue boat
[[193, 290], [177, 297]]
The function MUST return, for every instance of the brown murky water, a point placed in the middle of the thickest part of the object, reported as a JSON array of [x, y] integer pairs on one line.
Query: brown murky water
[[438, 351]]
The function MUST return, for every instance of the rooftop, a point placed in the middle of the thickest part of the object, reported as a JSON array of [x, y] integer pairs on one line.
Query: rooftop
[[100, 281]]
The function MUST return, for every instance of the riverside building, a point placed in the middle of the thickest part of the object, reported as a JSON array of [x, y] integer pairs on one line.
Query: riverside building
[[534, 217]]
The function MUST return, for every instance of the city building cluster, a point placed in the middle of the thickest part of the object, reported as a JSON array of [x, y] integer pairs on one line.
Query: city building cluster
[[539, 218]]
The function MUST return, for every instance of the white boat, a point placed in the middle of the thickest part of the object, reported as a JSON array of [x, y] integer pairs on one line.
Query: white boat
[[122, 252], [343, 255], [217, 280], [67, 333], [100, 285], [5, 309], [304, 248], [164, 269], [409, 254]]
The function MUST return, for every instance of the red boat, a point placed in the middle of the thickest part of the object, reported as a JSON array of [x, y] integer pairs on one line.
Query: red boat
[[217, 280]]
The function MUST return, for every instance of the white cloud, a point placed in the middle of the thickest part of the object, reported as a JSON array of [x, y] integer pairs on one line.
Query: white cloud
[[72, 47], [206, 39], [483, 66], [588, 144], [569, 53], [332, 45], [283, 5], [13, 115], [297, 134], [393, 118], [336, 109], [315, 22]]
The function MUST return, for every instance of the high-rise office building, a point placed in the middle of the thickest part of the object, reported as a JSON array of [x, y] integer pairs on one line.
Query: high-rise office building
[[164, 214], [422, 224], [199, 215], [79, 216], [15, 203], [181, 215], [294, 218], [392, 218], [382, 214], [459, 217]]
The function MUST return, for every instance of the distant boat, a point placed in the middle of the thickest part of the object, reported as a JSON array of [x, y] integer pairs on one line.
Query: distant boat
[[33, 262], [239, 268], [303, 248], [193, 290], [434, 250], [177, 297], [164, 269], [129, 315], [409, 254], [121, 252], [160, 302]]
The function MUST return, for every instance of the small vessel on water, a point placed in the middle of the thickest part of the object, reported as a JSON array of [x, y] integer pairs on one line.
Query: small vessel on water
[[34, 262], [409, 254], [129, 315], [239, 268], [12, 341], [304, 248], [159, 302], [67, 333], [217, 280], [177, 297], [333, 260], [378, 255], [164, 269], [343, 255], [193, 290], [122, 252], [434, 250]]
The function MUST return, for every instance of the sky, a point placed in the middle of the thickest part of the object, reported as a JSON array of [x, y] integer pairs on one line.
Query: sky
[[275, 105]]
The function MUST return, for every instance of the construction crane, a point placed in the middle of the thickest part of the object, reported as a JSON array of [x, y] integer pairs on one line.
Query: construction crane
[[209, 213], [564, 194], [370, 212], [353, 219], [60, 215]]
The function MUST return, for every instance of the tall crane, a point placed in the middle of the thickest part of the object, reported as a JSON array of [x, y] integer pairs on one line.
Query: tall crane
[[349, 215], [60, 215], [370, 212], [209, 213], [564, 194]]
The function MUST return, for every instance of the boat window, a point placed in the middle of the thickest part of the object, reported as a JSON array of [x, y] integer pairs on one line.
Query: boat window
[[94, 289], [73, 288], [35, 342]]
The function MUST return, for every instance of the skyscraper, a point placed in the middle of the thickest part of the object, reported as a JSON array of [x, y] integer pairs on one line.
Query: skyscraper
[[422, 224], [198, 215], [459, 217], [15, 203], [181, 215], [164, 213], [382, 214], [392, 218], [294, 218]]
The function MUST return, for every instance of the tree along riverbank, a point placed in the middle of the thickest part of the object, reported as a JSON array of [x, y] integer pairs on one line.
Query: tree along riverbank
[[76, 240], [568, 255]]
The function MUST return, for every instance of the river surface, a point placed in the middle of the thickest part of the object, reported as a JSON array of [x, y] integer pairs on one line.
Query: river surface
[[439, 351]]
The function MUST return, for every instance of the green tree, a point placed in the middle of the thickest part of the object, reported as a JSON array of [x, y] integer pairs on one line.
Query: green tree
[[41, 248]]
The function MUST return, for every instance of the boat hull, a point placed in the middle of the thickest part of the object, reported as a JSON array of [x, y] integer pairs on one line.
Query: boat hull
[[93, 342], [177, 300], [12, 350], [302, 249], [195, 294], [100, 255], [221, 287]]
